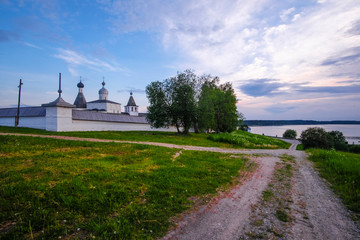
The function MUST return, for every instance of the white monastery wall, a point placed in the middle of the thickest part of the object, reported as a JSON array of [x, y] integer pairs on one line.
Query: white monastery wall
[[58, 119], [64, 123], [82, 125], [29, 122]]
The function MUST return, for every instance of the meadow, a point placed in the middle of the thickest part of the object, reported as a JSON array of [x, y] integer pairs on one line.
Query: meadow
[[237, 139], [62, 189], [342, 170], [248, 140]]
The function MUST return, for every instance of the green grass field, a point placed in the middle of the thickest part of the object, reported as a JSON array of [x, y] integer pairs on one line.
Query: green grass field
[[342, 170], [237, 139], [72, 189], [248, 140]]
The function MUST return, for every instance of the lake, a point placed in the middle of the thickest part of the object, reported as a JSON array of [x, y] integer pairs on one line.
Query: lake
[[350, 131]]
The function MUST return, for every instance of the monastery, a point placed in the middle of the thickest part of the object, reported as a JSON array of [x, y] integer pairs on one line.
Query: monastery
[[97, 115]]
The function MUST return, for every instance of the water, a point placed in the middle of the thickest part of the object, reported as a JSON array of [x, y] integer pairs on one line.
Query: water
[[350, 131]]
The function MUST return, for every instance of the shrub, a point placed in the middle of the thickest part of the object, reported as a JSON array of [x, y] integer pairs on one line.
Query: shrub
[[339, 141], [290, 133], [316, 138], [354, 148]]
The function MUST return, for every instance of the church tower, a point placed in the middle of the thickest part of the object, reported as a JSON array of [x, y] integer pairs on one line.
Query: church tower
[[80, 101], [131, 108], [103, 92]]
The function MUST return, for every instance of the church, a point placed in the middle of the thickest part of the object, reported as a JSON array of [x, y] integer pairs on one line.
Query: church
[[98, 115]]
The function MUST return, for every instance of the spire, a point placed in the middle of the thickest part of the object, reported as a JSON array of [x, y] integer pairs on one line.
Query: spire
[[103, 82], [80, 101], [80, 85], [103, 92], [131, 101], [59, 102], [59, 91], [131, 108]]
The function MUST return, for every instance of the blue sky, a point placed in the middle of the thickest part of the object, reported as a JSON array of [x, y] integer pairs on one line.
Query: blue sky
[[291, 59]]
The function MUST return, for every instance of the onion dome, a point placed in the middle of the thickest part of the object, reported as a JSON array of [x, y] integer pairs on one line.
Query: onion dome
[[103, 90], [80, 85]]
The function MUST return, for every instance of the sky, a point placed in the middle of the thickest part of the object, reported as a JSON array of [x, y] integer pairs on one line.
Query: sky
[[289, 59]]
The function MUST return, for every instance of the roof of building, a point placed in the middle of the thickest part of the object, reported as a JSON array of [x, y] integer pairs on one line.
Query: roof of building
[[80, 85], [107, 117], [80, 101], [59, 102], [24, 112], [131, 101], [104, 101], [103, 90]]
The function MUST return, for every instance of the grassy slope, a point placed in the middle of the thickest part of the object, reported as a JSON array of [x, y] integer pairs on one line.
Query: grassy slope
[[342, 170], [55, 188], [249, 140], [244, 139]]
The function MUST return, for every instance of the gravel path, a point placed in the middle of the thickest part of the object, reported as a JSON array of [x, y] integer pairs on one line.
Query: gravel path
[[317, 213], [226, 216]]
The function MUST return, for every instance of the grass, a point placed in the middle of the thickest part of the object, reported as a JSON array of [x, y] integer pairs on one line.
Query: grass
[[72, 189], [342, 170], [271, 216], [248, 140], [300, 147], [238, 139]]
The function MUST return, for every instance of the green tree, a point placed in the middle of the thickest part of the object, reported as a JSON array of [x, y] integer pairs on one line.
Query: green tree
[[316, 138], [290, 133], [172, 102], [187, 101], [159, 108], [217, 107], [340, 142]]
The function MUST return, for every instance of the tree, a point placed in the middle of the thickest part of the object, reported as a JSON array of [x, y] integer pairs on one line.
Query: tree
[[290, 133], [241, 125], [217, 107], [316, 138], [340, 142], [187, 101], [172, 102], [159, 109]]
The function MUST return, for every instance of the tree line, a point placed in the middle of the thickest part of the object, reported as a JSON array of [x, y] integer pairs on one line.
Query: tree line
[[189, 101]]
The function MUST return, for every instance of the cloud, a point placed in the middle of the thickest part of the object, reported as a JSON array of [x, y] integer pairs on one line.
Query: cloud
[[130, 89], [74, 59], [279, 108], [286, 13], [355, 28], [349, 89], [7, 36], [32, 45], [342, 60], [261, 87]]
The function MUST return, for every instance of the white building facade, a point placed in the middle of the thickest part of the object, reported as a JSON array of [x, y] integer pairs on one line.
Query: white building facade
[[98, 115]]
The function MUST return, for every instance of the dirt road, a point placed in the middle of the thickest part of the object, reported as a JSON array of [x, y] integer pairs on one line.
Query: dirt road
[[316, 213]]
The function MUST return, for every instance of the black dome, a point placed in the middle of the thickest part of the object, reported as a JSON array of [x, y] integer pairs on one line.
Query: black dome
[[80, 85]]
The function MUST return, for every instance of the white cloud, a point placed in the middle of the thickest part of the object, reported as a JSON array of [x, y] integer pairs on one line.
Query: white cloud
[[284, 16], [32, 45], [241, 40], [74, 60]]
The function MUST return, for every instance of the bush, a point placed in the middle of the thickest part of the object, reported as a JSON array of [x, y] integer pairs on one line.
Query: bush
[[316, 138], [290, 133], [339, 141], [354, 148]]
